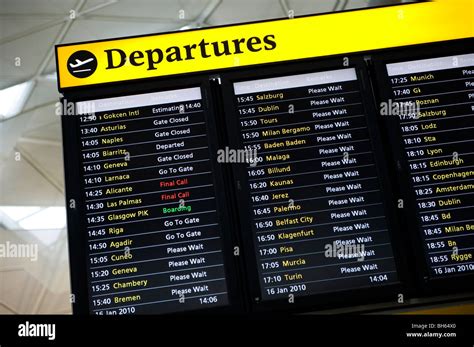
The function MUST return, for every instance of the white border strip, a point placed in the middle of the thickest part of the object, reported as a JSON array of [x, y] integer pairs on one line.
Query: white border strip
[[295, 81], [426, 65], [140, 100]]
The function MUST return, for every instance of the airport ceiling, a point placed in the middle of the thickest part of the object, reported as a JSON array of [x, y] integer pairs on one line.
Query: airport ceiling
[[31, 167]]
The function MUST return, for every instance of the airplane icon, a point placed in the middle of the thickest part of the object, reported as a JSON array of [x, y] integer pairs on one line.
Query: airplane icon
[[80, 63]]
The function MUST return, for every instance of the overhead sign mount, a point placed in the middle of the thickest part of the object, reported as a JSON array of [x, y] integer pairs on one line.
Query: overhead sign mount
[[174, 53]]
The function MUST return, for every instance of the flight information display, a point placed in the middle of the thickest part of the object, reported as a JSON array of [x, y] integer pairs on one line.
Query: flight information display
[[317, 216], [437, 138], [154, 243]]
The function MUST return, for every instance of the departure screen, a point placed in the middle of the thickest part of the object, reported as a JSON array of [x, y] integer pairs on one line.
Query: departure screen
[[151, 217], [437, 138], [317, 216]]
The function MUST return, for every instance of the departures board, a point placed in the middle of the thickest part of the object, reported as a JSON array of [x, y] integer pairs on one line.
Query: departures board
[[433, 145], [149, 190], [332, 204], [315, 188], [151, 216]]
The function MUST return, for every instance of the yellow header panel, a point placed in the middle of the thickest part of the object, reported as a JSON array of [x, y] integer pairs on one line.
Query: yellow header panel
[[257, 43]]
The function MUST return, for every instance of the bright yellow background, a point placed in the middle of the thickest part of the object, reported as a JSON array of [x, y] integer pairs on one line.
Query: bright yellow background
[[296, 39]]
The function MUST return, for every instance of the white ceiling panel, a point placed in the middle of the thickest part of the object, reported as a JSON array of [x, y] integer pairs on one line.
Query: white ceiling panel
[[31, 50], [97, 30], [46, 158], [44, 92], [39, 118], [36, 7], [23, 185], [166, 10], [302, 7], [50, 132], [11, 27], [245, 11]]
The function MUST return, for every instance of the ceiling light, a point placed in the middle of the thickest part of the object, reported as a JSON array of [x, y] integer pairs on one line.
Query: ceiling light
[[47, 237], [12, 99], [16, 213], [48, 218]]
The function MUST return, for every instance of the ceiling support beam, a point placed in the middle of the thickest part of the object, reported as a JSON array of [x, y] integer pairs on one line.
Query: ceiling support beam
[[285, 7], [41, 142], [28, 158], [55, 22], [201, 20]]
